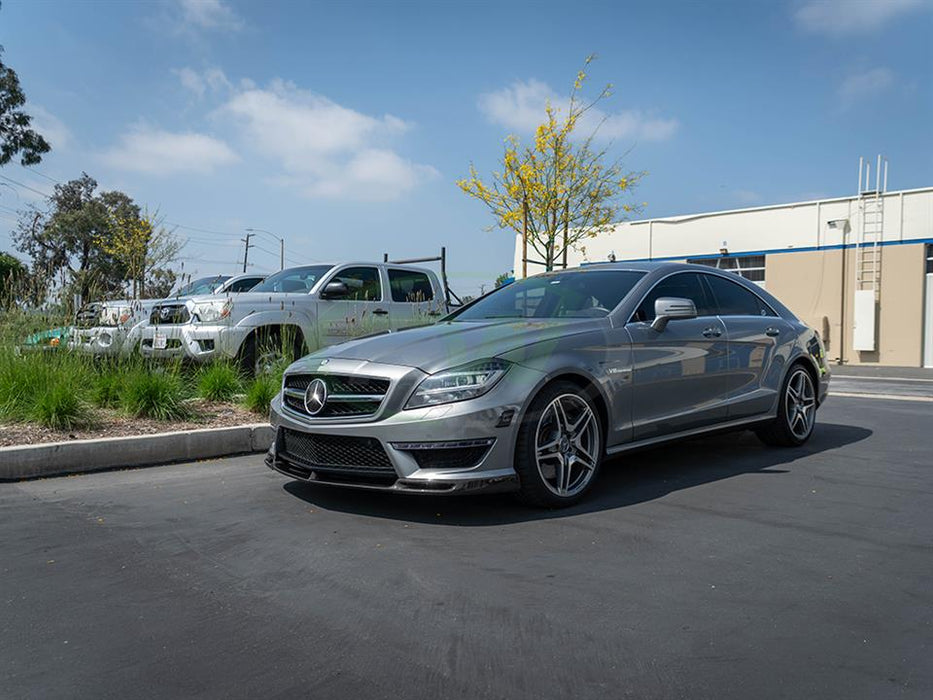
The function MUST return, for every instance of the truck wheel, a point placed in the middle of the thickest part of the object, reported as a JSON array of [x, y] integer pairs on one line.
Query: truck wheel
[[263, 351]]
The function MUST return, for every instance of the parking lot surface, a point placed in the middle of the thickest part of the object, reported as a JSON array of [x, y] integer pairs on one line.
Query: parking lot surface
[[715, 568]]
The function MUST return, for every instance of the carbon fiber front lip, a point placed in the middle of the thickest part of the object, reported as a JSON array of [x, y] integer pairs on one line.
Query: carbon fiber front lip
[[435, 487]]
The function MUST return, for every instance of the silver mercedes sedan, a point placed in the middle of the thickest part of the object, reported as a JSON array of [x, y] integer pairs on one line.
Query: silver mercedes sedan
[[531, 387]]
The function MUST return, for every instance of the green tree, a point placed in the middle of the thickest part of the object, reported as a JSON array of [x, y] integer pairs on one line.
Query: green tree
[[89, 242], [503, 278], [13, 274], [559, 191], [16, 136]]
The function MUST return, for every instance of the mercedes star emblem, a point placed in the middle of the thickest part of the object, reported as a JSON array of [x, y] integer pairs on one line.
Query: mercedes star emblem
[[315, 397]]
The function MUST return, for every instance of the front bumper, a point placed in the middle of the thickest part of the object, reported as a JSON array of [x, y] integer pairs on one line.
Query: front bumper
[[105, 341], [400, 433], [192, 341]]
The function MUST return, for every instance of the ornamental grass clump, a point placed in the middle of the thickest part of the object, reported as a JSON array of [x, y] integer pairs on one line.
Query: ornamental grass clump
[[260, 392], [218, 382], [158, 395], [59, 406], [107, 388]]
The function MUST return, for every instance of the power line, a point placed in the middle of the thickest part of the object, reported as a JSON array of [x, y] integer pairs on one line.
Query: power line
[[50, 179], [25, 187]]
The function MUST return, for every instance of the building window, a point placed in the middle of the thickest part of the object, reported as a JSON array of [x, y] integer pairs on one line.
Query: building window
[[930, 258], [751, 267]]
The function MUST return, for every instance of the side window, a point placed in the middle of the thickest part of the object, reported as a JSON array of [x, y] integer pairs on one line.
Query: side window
[[363, 283], [685, 285], [734, 300], [244, 285], [411, 286]]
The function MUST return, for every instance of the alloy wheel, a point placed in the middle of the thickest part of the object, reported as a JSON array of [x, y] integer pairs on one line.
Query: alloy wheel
[[566, 445], [800, 404]]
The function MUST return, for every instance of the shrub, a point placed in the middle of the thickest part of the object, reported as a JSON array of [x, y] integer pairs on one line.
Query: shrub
[[107, 388], [154, 395], [59, 406], [260, 392], [218, 382]]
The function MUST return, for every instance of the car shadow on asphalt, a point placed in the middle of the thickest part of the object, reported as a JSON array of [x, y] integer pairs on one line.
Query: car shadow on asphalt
[[625, 480]]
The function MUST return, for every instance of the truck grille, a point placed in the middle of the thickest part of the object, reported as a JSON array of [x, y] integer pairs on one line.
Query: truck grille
[[339, 453], [347, 395], [169, 314]]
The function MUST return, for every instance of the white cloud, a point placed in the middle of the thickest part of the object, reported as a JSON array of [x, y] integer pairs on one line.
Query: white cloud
[[51, 127], [152, 151], [212, 79], [521, 106], [323, 148], [209, 15], [846, 17], [865, 85]]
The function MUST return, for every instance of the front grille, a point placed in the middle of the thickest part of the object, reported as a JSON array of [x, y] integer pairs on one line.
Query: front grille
[[347, 395], [88, 317], [169, 314], [335, 452]]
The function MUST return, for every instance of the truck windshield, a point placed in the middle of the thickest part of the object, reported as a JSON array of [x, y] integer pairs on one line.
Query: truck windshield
[[294, 279], [203, 285], [577, 294]]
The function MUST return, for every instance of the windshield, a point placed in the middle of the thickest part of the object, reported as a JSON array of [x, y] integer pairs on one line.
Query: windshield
[[294, 279], [204, 285], [577, 294]]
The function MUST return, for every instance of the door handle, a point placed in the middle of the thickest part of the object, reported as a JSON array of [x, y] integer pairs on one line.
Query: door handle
[[434, 313], [380, 312], [712, 332], [772, 332]]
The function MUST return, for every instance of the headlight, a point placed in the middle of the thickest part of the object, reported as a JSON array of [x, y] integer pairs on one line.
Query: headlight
[[211, 311], [458, 384]]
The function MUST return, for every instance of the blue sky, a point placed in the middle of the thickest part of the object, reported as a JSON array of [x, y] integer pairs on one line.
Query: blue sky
[[342, 126]]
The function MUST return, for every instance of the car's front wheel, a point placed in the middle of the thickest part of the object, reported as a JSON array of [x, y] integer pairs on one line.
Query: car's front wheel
[[796, 414], [559, 448]]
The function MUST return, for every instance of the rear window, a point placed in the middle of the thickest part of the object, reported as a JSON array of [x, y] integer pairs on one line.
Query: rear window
[[410, 286]]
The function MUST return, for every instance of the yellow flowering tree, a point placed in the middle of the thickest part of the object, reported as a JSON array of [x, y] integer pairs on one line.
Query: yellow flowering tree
[[141, 245], [559, 191]]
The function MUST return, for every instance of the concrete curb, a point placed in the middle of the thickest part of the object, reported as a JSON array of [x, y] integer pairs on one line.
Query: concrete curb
[[81, 456]]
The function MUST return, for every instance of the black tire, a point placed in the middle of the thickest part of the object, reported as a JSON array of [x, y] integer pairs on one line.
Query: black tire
[[791, 428], [575, 439]]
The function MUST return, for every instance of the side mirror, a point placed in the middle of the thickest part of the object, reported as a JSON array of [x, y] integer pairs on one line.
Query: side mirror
[[669, 308], [335, 290]]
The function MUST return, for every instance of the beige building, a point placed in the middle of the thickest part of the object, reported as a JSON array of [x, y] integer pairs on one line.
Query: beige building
[[859, 269]]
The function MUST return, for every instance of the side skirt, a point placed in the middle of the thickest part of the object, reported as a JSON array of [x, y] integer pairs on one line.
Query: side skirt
[[719, 427]]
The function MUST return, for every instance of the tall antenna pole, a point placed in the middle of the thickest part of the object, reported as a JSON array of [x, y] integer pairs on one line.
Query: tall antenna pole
[[246, 250]]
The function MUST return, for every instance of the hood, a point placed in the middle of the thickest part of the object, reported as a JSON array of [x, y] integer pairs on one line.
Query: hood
[[449, 344]]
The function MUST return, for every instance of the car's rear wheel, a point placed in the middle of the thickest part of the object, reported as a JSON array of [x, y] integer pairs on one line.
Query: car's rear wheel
[[559, 448], [796, 414]]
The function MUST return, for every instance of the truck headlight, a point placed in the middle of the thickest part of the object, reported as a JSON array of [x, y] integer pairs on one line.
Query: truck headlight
[[211, 311], [458, 384]]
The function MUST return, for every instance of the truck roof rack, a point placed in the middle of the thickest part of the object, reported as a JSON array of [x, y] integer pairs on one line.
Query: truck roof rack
[[442, 259]]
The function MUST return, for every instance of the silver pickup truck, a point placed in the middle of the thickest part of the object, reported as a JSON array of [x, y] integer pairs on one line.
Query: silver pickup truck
[[294, 311]]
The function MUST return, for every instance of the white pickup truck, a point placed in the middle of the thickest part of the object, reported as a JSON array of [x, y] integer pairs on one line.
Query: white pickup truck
[[109, 328], [294, 311]]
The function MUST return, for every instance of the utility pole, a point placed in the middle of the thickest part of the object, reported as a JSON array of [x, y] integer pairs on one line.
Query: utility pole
[[278, 238], [246, 251]]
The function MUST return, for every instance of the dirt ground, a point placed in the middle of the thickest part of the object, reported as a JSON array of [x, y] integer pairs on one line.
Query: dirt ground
[[113, 423]]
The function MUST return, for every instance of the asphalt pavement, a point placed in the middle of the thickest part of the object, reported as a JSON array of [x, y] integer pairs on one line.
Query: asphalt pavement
[[715, 568]]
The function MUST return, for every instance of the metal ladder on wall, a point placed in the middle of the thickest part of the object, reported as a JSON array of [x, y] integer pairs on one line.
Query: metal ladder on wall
[[868, 243], [868, 254]]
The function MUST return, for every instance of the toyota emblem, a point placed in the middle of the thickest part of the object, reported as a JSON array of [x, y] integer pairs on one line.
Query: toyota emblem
[[315, 397]]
